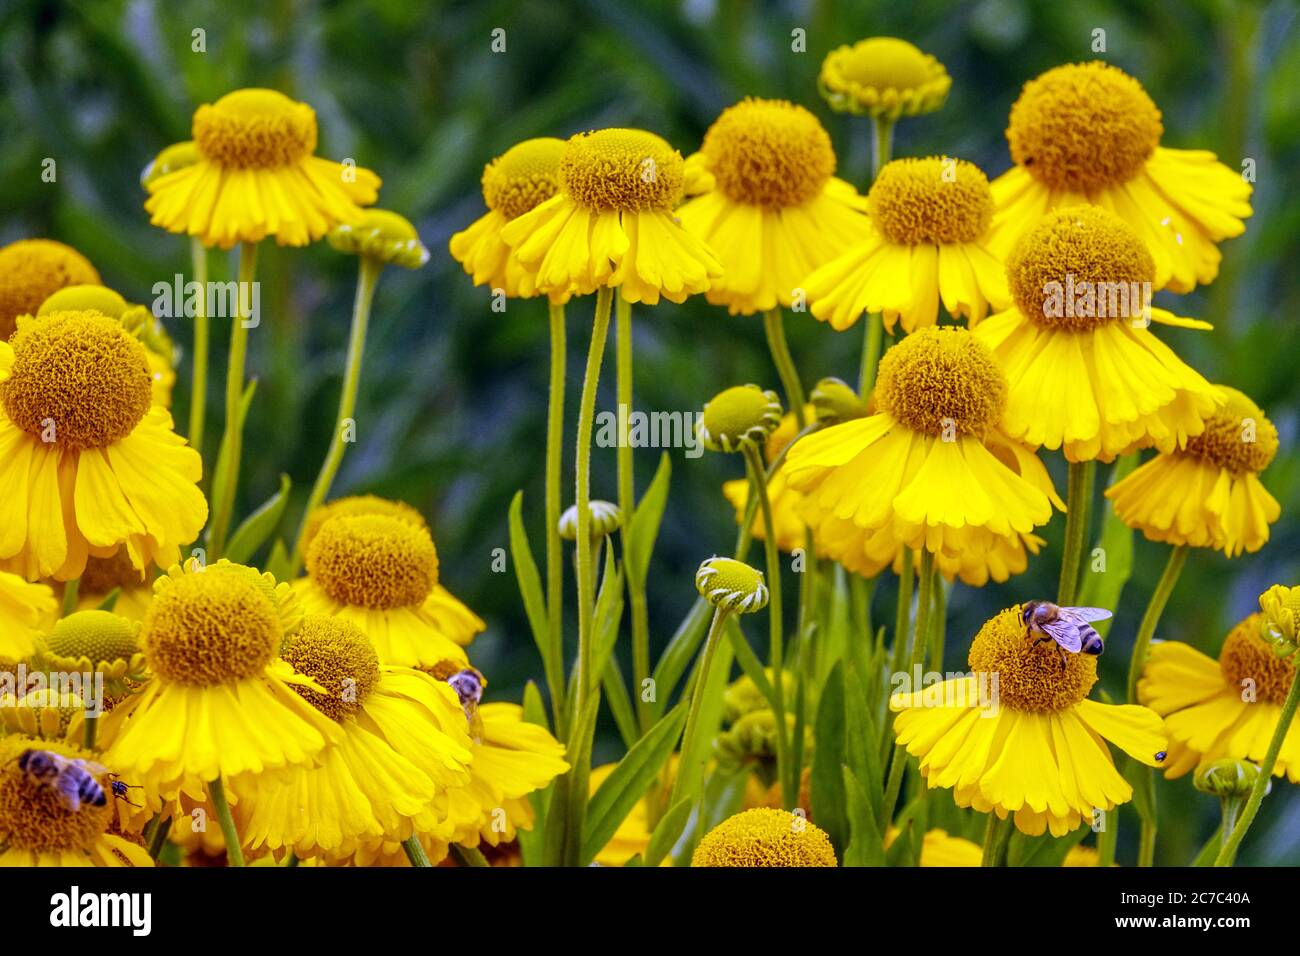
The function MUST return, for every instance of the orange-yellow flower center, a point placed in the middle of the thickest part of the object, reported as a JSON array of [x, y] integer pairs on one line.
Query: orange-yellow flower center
[[31, 270], [943, 381], [359, 505], [524, 176], [931, 200], [339, 657], [32, 815], [373, 560], [1030, 677], [255, 129], [78, 380], [1080, 268], [769, 153], [1238, 437], [764, 837], [98, 636], [622, 169], [1250, 664]]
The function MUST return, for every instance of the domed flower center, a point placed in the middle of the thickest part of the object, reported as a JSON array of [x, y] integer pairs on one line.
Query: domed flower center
[[210, 627], [931, 200], [95, 635], [32, 269], [78, 380], [942, 381], [886, 63], [339, 657], [381, 234], [1083, 126], [1080, 268], [1238, 437], [33, 817], [732, 585], [255, 129], [102, 575], [1030, 676], [1250, 664], [743, 413], [623, 169], [85, 298], [764, 837], [372, 560], [769, 153], [524, 176], [360, 505]]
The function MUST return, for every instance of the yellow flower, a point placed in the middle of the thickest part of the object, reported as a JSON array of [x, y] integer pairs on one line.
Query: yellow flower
[[1031, 745], [1281, 607], [612, 223], [883, 77], [928, 243], [103, 576], [24, 611], [1088, 132], [764, 837], [939, 848], [929, 469], [1227, 708], [1086, 373], [38, 829], [376, 566], [775, 211], [255, 176], [32, 269], [1207, 495], [381, 234], [87, 641], [88, 463], [516, 182]]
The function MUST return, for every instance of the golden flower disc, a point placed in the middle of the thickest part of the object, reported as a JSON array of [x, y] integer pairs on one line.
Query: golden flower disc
[[1238, 436], [255, 129], [941, 380], [769, 153], [372, 560], [764, 837], [97, 636], [339, 657], [32, 817], [1083, 126], [1247, 657], [624, 169], [930, 200], [82, 372], [31, 270], [85, 298], [174, 157], [1030, 678], [524, 176], [360, 505], [885, 77], [1073, 246], [739, 415]]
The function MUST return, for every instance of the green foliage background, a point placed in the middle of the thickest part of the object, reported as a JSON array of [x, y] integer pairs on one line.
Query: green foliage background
[[452, 411]]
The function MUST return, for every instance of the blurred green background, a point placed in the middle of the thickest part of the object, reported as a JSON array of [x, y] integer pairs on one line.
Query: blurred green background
[[452, 411]]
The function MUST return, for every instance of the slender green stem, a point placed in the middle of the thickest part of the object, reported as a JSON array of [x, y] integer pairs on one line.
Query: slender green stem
[[903, 612], [89, 732], [627, 504], [158, 838], [344, 423], [939, 623], [415, 852], [1230, 810], [871, 346], [711, 641], [997, 836], [554, 546], [467, 855], [199, 381], [71, 591], [774, 326], [234, 852], [924, 608], [882, 145], [1151, 618], [1230, 846], [1108, 837], [1078, 513]]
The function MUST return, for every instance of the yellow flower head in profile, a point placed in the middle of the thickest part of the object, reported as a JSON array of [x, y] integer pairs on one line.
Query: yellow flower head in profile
[[31, 270], [255, 176], [739, 416], [381, 235], [516, 182], [1088, 132], [612, 223], [883, 77], [94, 640], [24, 610], [1019, 736], [606, 518], [1207, 495], [1281, 626], [91, 464], [763, 837], [37, 827], [929, 469], [1224, 709], [373, 563], [927, 244], [731, 585], [776, 210], [1086, 372]]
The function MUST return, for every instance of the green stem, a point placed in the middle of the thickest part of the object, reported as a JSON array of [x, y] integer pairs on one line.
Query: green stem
[[898, 653], [467, 855], [89, 732], [871, 346], [554, 665], [1229, 851], [711, 641], [882, 145], [1108, 837], [774, 326], [939, 623], [1078, 509], [234, 852], [71, 591], [627, 504], [924, 607], [158, 839], [415, 852], [199, 381], [1151, 618], [997, 836]]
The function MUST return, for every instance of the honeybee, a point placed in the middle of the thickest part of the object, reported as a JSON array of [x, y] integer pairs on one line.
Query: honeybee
[[468, 685], [74, 780], [1069, 627]]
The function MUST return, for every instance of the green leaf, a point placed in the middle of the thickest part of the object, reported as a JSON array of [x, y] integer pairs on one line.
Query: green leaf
[[645, 523], [629, 781], [748, 660], [530, 582], [667, 831], [110, 600], [680, 651], [279, 562], [620, 705], [866, 845], [634, 860], [259, 526], [1103, 589], [827, 780], [608, 613], [1142, 778], [1210, 852], [531, 842], [535, 706], [223, 456], [1044, 850], [696, 753]]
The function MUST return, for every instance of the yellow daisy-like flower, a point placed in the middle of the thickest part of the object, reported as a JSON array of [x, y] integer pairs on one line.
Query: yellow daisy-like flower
[[939, 848], [1086, 372], [764, 837], [38, 829], [928, 243], [32, 269], [44, 712], [923, 471], [612, 223], [103, 576], [220, 702], [516, 182], [255, 176], [381, 234], [24, 610], [1227, 708], [1088, 132], [1031, 746], [776, 210], [88, 462], [380, 571], [1208, 495], [883, 77]]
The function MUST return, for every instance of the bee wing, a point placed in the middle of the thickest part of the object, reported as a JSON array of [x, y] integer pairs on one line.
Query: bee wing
[[1066, 633], [69, 790], [1087, 614], [97, 769]]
